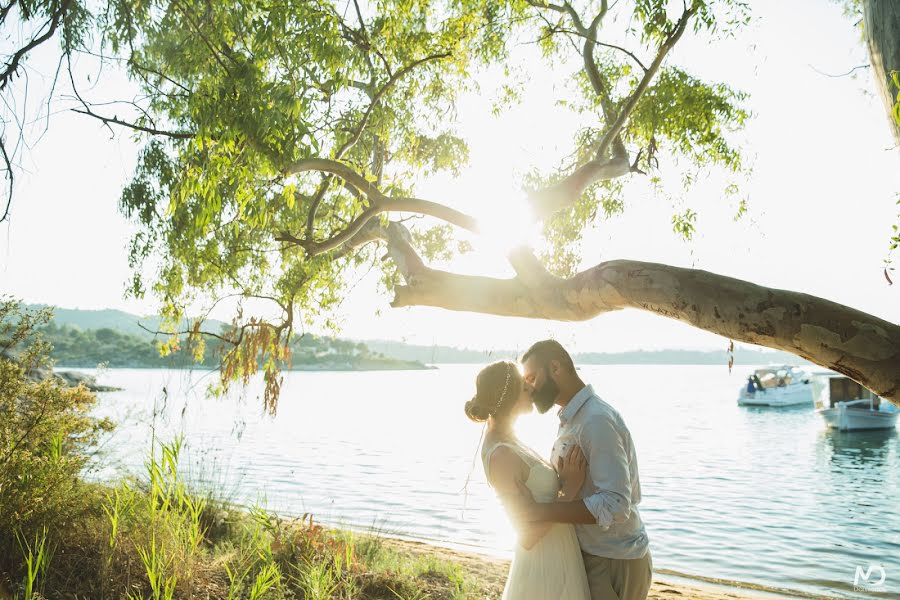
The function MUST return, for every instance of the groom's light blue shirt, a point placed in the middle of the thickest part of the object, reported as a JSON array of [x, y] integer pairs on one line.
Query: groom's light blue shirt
[[612, 488]]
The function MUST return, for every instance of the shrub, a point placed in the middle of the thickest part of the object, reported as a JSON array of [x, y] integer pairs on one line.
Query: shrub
[[46, 437]]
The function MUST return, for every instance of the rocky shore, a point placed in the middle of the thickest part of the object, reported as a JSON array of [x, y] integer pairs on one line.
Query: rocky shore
[[74, 379], [66, 378]]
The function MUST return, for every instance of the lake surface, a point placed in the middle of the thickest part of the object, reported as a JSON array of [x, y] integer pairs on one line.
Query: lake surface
[[761, 496]]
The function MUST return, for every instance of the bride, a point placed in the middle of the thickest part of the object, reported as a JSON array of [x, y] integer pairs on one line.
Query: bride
[[547, 562]]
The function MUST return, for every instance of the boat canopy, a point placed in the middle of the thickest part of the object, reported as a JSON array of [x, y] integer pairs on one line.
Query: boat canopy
[[778, 370], [841, 388], [844, 389], [777, 376]]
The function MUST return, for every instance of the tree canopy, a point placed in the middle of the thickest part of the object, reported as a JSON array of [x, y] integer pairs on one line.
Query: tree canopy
[[283, 142]]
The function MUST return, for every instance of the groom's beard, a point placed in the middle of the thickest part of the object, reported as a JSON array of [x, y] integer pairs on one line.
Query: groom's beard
[[543, 398]]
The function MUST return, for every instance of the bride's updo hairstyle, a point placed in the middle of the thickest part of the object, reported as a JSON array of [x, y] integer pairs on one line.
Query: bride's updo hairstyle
[[497, 388]]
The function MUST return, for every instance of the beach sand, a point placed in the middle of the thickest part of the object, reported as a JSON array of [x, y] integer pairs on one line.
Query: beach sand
[[490, 572]]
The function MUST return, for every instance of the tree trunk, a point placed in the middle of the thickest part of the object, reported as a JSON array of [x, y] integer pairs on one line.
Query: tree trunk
[[838, 337], [881, 19]]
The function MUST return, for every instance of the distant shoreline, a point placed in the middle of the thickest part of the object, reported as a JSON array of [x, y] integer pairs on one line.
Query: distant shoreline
[[424, 367], [84, 338], [304, 368]]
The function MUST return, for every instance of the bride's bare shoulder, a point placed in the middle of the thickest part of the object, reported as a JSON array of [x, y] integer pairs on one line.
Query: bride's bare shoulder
[[505, 468]]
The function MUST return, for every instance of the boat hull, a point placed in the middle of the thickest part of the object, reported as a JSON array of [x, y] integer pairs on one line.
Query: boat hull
[[800, 394], [857, 419]]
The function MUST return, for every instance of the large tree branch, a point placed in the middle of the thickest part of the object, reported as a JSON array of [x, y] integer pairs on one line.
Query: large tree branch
[[430, 209], [333, 167], [371, 232], [590, 65], [314, 205], [838, 337], [600, 85], [378, 204], [383, 204], [564, 193], [547, 201], [530, 270], [314, 248], [400, 250]]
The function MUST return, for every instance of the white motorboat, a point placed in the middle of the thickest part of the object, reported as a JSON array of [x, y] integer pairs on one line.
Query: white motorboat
[[782, 385], [852, 407]]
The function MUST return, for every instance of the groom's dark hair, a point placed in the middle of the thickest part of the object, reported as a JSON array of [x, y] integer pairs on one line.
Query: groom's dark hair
[[546, 350]]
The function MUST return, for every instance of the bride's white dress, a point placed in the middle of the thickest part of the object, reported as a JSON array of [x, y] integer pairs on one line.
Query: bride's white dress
[[553, 568]]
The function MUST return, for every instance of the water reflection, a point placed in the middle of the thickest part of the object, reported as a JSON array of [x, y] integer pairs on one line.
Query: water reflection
[[866, 449]]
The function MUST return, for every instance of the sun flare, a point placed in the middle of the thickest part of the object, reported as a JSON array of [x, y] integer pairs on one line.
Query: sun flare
[[506, 223]]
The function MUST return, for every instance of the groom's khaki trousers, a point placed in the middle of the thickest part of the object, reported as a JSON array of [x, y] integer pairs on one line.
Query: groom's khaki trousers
[[618, 579]]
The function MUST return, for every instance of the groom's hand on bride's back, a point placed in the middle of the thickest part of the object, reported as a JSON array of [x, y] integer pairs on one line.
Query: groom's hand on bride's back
[[522, 508]]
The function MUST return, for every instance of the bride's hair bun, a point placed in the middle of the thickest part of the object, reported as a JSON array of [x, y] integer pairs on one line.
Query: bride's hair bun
[[497, 389], [476, 411]]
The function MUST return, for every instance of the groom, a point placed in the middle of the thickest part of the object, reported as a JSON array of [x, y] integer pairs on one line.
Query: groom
[[613, 541]]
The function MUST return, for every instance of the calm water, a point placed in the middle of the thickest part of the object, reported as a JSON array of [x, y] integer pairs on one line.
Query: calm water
[[762, 496]]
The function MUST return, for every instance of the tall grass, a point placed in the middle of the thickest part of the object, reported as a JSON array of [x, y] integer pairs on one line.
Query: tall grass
[[158, 567], [37, 560], [151, 540]]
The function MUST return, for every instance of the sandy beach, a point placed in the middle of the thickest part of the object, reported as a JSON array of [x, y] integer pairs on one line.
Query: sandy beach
[[491, 572]]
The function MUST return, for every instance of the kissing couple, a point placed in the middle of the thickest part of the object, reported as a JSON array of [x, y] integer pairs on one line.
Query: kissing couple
[[580, 533]]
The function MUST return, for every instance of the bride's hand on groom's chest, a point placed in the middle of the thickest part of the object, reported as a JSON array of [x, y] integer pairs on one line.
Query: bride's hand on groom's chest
[[563, 444]]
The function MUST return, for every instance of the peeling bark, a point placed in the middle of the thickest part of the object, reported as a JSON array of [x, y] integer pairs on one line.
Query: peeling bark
[[881, 20], [859, 345]]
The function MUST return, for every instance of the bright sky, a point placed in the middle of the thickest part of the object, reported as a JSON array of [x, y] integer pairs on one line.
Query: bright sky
[[821, 197]]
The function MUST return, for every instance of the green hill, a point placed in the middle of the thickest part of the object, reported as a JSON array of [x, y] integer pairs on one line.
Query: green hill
[[116, 320], [76, 347]]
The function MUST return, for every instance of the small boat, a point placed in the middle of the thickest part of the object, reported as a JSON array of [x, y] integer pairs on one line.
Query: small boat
[[781, 385], [852, 407]]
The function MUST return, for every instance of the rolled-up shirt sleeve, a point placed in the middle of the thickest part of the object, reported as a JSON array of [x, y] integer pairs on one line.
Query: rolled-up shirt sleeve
[[604, 448]]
